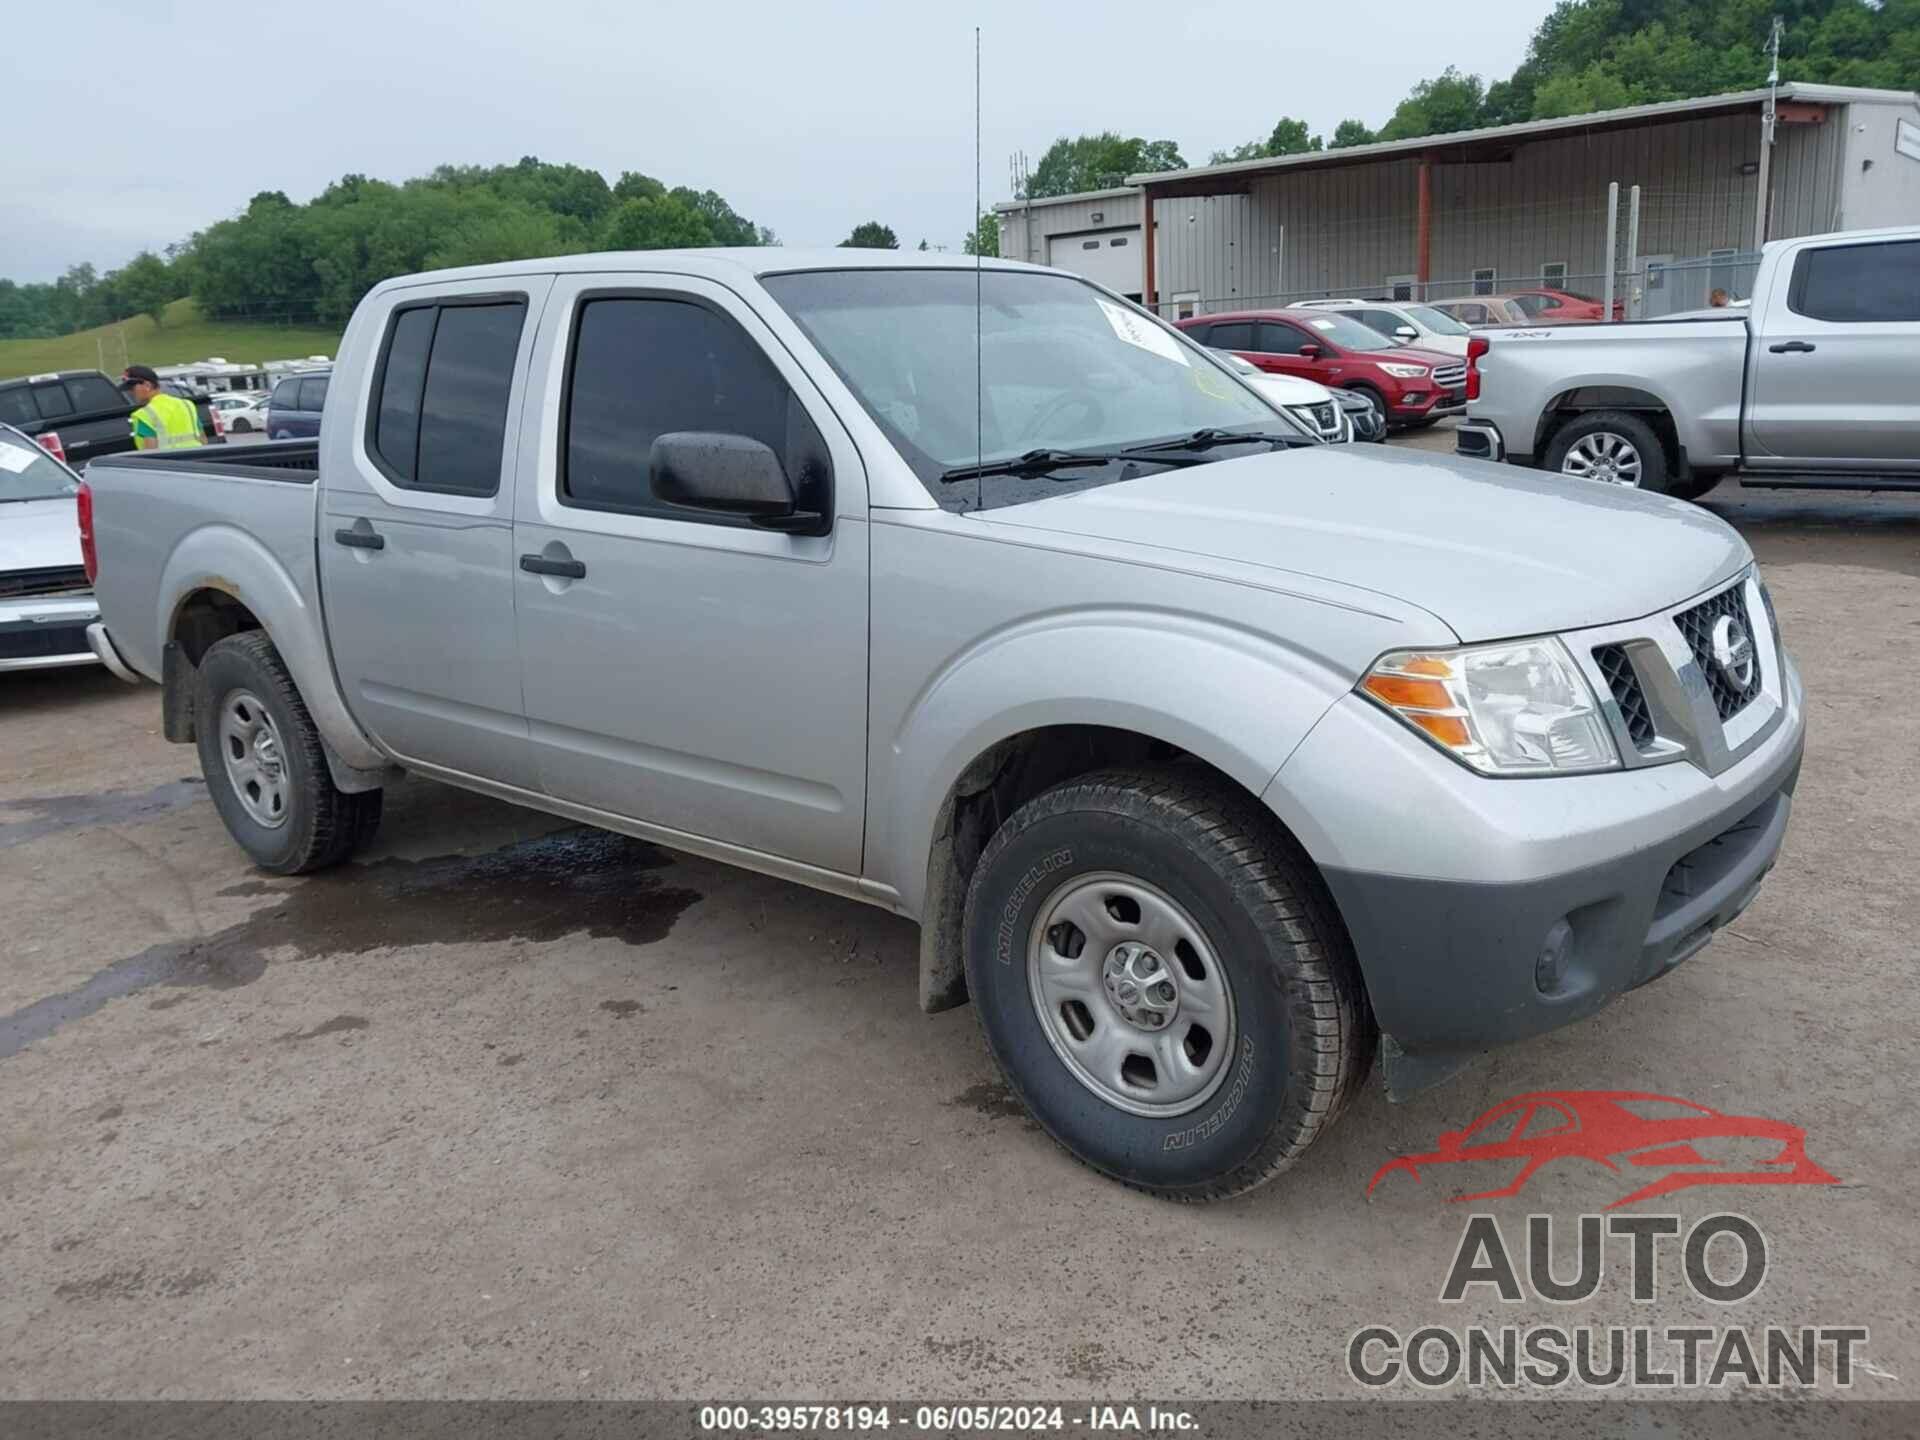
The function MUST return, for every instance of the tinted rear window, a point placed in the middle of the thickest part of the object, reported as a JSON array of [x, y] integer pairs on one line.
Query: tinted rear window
[[1858, 283], [286, 395], [313, 393], [396, 421], [93, 393], [1231, 335], [16, 406], [52, 401]]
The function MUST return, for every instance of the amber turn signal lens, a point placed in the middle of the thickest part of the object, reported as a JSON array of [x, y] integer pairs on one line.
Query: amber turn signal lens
[[1399, 690], [1449, 730], [1426, 665]]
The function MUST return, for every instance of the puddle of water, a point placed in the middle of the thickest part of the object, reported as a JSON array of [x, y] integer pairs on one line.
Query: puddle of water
[[539, 890], [53, 813]]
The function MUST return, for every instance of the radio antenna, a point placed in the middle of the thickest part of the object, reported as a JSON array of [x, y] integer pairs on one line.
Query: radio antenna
[[979, 354]]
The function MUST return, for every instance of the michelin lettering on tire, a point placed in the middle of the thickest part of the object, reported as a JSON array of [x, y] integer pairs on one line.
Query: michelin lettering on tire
[[1010, 916], [1236, 1092]]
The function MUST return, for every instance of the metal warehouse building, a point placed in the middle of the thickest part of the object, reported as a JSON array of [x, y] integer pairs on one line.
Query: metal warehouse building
[[1481, 211]]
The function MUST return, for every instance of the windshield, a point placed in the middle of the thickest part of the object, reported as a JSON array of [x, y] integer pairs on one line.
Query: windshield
[[1347, 333], [1438, 321], [28, 473], [1060, 367]]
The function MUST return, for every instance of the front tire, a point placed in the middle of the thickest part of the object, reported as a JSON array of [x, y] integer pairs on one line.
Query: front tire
[[1611, 446], [1162, 979], [265, 766], [1377, 425]]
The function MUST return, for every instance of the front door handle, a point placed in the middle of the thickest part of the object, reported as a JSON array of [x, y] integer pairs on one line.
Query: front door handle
[[545, 565], [1791, 347], [367, 539]]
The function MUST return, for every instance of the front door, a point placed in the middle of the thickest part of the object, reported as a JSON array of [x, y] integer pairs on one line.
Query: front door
[[416, 532], [1277, 350], [686, 669], [1834, 382]]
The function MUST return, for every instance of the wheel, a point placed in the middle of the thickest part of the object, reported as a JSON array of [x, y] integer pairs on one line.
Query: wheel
[[1162, 979], [242, 426], [265, 767], [1611, 446], [281, 435], [1376, 421]]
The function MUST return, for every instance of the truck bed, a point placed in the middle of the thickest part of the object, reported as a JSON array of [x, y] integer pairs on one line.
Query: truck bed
[[165, 522]]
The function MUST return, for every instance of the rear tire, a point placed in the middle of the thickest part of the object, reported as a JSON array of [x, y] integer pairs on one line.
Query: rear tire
[[1605, 446], [242, 427], [265, 766], [1211, 962]]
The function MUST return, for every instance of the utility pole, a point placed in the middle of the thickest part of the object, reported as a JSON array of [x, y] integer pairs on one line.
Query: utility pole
[[1634, 288], [1763, 199], [1613, 246]]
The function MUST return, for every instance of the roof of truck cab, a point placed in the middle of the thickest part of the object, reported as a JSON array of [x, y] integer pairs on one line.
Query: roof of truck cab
[[717, 264]]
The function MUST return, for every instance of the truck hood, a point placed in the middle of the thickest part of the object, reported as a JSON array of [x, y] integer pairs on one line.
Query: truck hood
[[1494, 551], [39, 534]]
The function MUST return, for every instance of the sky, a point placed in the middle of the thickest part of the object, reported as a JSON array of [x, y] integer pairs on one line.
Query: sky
[[809, 119]]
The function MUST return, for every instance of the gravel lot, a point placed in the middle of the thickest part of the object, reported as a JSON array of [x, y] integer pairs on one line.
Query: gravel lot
[[514, 1110]]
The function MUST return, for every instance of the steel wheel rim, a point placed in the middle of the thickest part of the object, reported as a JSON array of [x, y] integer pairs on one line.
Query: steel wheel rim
[[1605, 456], [1103, 999], [256, 760]]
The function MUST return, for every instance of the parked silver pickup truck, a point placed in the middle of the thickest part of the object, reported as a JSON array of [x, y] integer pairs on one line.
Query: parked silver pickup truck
[[1209, 758], [1816, 384]]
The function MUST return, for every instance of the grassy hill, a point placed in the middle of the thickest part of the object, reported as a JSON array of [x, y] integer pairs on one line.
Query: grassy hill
[[185, 337]]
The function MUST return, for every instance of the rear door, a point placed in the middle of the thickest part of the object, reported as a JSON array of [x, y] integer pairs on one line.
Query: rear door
[[695, 672], [416, 532], [97, 423], [1834, 372]]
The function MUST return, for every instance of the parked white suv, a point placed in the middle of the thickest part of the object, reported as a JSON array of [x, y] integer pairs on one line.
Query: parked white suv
[[1401, 320]]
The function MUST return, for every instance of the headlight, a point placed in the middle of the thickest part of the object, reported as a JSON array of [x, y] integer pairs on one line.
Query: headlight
[[1406, 372], [1521, 708]]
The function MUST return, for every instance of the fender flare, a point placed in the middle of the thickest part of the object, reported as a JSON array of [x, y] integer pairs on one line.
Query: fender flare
[[1244, 702], [226, 559]]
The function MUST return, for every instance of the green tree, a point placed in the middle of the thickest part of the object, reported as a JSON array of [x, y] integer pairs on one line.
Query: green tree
[[1448, 102], [145, 285], [1351, 132], [1098, 162], [1289, 137], [661, 223], [871, 235], [985, 239]]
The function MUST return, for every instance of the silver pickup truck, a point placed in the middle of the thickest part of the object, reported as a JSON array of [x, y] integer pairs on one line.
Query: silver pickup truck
[[1211, 760], [1816, 384]]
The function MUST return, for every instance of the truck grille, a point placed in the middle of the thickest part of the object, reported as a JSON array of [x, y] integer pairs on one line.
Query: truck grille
[[1323, 420], [1625, 685], [1450, 377], [1697, 626], [63, 580]]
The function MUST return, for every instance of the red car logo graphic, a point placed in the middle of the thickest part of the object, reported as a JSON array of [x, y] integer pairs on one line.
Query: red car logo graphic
[[1616, 1128]]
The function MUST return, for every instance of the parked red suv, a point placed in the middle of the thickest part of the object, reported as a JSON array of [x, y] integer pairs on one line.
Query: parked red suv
[[1563, 307], [1410, 386]]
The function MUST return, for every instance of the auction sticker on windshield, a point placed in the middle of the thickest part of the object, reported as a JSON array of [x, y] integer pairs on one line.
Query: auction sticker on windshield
[[1137, 331], [13, 458]]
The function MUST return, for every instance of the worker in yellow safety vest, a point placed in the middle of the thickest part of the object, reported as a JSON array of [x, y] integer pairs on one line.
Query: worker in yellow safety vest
[[160, 421]]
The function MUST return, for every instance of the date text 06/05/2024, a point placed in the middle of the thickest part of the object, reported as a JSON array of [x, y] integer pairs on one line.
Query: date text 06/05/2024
[[854, 1418]]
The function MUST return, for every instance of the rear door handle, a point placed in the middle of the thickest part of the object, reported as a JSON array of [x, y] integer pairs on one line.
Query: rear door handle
[[542, 565], [361, 539], [1791, 347]]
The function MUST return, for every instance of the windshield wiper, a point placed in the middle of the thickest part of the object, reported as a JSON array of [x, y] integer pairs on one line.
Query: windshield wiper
[[1209, 439], [1045, 462]]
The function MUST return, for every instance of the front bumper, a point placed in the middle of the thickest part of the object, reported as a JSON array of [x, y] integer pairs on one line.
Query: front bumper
[[1485, 911], [45, 632]]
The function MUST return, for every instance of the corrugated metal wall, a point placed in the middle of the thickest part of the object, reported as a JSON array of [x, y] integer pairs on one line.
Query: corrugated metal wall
[[1887, 190], [1063, 217], [1349, 230]]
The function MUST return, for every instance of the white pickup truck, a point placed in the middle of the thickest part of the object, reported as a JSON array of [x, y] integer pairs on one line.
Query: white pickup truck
[[1816, 384], [1211, 759]]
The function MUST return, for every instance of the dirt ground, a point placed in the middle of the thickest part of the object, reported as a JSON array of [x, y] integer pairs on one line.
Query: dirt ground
[[510, 1110]]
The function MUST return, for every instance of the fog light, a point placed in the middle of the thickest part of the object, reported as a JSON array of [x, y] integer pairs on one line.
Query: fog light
[[1550, 970]]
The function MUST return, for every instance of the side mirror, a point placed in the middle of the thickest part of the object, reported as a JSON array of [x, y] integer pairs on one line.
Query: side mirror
[[1309, 351], [728, 475], [1405, 334]]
